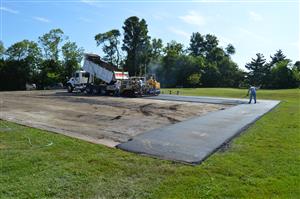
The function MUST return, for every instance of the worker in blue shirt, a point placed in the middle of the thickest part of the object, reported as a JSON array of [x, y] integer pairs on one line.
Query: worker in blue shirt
[[252, 92]]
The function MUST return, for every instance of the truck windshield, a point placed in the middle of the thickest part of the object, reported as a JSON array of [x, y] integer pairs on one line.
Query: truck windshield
[[86, 75]]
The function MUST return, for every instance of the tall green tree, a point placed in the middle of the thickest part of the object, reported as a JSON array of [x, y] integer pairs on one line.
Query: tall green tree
[[145, 57], [174, 48], [72, 55], [210, 74], [257, 69], [230, 50], [50, 43], [109, 42], [20, 67], [297, 65], [215, 55], [202, 45], [282, 75], [2, 49], [296, 72], [135, 44], [168, 67], [197, 44], [156, 48], [211, 42], [230, 74], [219, 69], [178, 68], [23, 50], [51, 66], [267, 81], [29, 53], [277, 57], [14, 74]]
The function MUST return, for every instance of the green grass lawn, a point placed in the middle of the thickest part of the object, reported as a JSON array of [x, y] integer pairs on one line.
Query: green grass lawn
[[264, 162]]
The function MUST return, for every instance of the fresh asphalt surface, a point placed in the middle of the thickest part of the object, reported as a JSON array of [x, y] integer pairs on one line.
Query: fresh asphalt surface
[[194, 140]]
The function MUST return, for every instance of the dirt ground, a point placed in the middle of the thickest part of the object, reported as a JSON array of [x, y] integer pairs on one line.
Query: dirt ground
[[99, 119]]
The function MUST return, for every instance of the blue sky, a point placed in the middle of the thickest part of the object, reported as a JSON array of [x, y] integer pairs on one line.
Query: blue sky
[[251, 26]]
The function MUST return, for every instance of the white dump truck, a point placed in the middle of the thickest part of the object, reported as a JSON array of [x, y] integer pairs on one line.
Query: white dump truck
[[99, 77]]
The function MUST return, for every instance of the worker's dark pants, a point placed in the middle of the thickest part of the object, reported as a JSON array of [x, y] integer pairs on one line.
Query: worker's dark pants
[[252, 95], [117, 93]]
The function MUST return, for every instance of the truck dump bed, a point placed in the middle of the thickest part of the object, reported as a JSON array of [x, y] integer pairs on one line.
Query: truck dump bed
[[102, 70], [96, 59]]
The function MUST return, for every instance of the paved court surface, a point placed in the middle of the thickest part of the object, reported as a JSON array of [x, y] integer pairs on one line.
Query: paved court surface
[[210, 100], [194, 140]]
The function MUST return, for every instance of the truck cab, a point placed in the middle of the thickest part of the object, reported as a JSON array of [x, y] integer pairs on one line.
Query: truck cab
[[79, 80]]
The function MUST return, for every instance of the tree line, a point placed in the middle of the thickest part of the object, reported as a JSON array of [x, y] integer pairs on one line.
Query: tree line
[[204, 63]]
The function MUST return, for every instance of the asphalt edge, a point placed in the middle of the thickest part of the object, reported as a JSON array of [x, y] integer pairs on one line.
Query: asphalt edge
[[237, 134]]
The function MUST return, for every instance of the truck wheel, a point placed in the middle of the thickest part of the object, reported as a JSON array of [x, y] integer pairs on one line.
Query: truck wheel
[[70, 88], [102, 91], [88, 90], [131, 94], [95, 91]]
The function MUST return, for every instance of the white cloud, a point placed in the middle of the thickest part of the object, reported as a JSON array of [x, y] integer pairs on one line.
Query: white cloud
[[193, 18], [255, 16], [9, 10], [91, 3], [42, 19], [180, 32]]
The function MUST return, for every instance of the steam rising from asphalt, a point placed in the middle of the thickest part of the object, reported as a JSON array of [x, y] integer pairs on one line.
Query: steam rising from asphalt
[[165, 78]]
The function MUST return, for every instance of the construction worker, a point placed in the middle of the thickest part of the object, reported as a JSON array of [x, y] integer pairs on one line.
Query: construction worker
[[252, 92], [141, 82], [151, 82], [118, 87], [142, 85]]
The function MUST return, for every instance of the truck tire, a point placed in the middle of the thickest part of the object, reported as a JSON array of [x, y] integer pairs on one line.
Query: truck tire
[[102, 91], [130, 93], [88, 90], [95, 91], [70, 88]]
